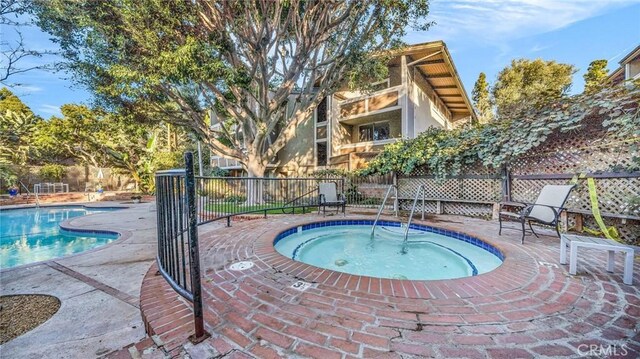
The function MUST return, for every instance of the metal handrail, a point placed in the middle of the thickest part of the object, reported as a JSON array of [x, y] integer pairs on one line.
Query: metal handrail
[[286, 205], [384, 201], [29, 193], [413, 208]]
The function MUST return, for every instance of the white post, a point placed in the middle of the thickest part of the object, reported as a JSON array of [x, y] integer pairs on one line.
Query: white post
[[199, 159]]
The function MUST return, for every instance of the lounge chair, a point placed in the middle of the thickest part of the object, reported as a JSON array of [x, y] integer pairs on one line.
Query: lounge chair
[[546, 209], [328, 197]]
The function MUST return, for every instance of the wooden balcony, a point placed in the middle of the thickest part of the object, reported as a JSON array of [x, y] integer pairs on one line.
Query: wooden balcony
[[354, 110]]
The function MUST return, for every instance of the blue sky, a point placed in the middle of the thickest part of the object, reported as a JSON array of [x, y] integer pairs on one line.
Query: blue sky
[[482, 36]]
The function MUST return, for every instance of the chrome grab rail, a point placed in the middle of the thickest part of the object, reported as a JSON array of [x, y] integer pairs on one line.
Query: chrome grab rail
[[384, 201], [29, 193], [413, 209]]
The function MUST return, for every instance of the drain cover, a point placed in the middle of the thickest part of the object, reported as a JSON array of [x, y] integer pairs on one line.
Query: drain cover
[[301, 286], [241, 265]]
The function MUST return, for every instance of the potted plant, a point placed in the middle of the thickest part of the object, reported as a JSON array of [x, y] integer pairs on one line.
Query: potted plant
[[13, 190], [136, 198]]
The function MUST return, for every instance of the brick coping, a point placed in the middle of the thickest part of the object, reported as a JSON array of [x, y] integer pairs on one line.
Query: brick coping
[[528, 307], [514, 272]]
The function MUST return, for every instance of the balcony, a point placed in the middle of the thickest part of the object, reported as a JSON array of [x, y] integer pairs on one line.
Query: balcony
[[355, 110], [225, 163]]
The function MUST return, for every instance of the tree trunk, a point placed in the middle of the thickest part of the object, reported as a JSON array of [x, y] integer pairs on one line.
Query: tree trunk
[[255, 186]]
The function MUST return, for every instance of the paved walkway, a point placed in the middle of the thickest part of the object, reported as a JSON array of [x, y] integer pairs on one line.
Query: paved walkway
[[99, 290], [528, 307]]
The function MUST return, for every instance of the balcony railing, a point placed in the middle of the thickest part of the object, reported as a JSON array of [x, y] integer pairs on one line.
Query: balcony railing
[[375, 102], [225, 163]]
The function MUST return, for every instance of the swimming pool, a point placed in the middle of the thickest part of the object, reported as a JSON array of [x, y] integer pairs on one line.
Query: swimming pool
[[31, 235], [347, 246]]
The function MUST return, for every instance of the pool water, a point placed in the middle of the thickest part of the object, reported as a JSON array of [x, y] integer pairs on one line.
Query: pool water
[[350, 249], [33, 234]]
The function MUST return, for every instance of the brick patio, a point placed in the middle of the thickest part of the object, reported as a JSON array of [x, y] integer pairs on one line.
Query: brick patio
[[528, 307]]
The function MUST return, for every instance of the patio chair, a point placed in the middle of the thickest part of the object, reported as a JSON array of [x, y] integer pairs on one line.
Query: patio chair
[[329, 197], [546, 209]]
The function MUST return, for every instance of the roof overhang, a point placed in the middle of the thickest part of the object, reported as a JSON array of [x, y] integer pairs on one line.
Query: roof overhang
[[434, 62]]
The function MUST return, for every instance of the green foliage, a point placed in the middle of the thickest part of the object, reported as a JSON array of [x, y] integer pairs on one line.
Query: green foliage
[[11, 102], [527, 84], [52, 172], [482, 100], [444, 153], [596, 76], [219, 172], [173, 60], [17, 137]]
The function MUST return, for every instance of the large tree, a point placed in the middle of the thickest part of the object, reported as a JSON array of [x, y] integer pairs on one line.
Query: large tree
[[482, 99], [263, 65], [528, 84], [17, 126], [596, 76]]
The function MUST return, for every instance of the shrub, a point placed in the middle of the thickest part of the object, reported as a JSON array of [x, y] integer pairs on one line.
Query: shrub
[[235, 198], [52, 172]]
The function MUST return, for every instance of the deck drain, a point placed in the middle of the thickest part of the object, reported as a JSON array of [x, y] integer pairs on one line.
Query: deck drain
[[244, 265], [301, 286]]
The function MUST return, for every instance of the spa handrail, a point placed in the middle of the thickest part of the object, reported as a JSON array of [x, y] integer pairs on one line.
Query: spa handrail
[[384, 201], [421, 189], [29, 194]]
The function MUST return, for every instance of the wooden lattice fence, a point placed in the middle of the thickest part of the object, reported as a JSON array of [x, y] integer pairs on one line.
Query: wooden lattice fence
[[590, 150]]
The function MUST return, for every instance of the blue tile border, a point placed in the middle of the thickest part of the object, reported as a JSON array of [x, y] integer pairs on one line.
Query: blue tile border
[[445, 232]]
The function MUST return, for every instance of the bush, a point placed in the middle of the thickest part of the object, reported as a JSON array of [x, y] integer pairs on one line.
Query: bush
[[219, 172], [52, 172], [214, 188], [235, 198]]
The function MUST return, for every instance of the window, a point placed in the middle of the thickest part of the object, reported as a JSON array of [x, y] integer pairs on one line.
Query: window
[[374, 132], [321, 111], [321, 153]]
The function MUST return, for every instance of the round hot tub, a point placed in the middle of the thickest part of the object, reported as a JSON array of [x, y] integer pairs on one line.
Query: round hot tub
[[429, 253]]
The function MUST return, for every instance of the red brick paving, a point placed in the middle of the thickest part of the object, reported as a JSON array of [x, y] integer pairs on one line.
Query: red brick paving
[[521, 309]]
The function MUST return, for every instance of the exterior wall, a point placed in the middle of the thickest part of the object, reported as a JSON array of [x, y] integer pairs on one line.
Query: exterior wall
[[298, 156], [632, 69], [426, 113]]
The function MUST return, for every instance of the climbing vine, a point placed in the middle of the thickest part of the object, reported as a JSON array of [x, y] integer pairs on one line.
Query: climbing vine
[[445, 152]]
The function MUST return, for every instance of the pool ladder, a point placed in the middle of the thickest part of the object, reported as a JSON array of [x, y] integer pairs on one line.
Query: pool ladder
[[29, 194], [384, 202], [421, 190]]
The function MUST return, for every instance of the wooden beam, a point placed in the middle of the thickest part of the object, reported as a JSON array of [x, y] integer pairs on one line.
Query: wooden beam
[[445, 87], [451, 95], [455, 102], [429, 62], [439, 76]]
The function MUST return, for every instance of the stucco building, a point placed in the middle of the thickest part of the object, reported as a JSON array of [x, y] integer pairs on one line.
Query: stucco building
[[349, 128]]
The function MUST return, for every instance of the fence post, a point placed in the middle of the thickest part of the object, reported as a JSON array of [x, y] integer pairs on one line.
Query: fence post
[[506, 184], [194, 255], [396, 201]]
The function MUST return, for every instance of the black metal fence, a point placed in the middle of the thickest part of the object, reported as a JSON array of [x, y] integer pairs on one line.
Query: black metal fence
[[225, 197], [178, 255]]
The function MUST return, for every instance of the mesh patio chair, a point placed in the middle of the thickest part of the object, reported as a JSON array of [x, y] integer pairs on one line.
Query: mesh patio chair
[[329, 197], [546, 210]]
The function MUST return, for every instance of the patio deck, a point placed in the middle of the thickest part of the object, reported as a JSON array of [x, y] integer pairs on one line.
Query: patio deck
[[528, 307]]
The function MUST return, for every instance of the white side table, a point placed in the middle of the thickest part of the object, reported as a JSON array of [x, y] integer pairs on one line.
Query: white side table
[[575, 241]]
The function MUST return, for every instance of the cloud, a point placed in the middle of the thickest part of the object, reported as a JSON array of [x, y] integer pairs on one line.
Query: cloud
[[502, 20], [49, 109], [27, 89]]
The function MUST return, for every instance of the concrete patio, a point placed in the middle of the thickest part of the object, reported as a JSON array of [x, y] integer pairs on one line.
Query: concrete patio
[[99, 289], [528, 307]]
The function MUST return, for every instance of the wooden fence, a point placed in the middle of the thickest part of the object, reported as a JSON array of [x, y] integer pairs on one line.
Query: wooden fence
[[590, 151]]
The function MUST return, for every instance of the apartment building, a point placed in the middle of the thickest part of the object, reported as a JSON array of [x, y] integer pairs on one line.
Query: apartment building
[[349, 128]]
